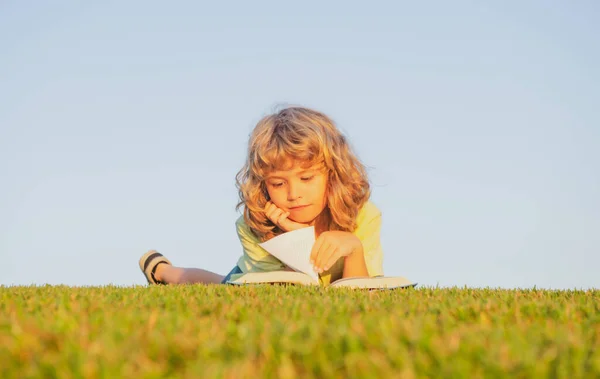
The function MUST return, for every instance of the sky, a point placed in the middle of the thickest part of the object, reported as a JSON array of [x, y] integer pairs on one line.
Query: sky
[[123, 125]]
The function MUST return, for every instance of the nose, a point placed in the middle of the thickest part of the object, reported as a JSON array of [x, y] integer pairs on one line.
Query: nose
[[293, 192]]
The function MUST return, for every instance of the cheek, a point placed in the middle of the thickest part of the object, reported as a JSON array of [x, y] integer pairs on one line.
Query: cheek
[[322, 191], [277, 197]]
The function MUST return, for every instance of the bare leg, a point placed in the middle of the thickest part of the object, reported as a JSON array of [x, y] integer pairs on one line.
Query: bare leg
[[179, 275]]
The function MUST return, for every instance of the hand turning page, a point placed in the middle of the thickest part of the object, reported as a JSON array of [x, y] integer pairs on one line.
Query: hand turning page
[[293, 248]]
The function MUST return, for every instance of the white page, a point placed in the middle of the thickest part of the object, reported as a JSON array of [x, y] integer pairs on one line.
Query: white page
[[293, 248]]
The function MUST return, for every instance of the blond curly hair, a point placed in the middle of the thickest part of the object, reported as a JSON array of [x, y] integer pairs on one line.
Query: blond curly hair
[[298, 134]]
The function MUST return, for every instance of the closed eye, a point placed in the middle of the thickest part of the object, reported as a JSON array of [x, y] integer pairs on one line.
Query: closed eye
[[307, 178]]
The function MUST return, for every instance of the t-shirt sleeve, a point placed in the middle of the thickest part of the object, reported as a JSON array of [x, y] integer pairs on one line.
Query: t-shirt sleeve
[[369, 233], [254, 257]]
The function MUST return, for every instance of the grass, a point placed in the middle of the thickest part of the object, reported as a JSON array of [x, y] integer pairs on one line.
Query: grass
[[283, 331]]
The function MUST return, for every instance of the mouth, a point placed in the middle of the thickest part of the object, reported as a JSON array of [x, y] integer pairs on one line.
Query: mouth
[[297, 207]]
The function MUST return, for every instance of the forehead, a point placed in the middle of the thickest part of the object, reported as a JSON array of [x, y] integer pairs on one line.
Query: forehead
[[293, 168]]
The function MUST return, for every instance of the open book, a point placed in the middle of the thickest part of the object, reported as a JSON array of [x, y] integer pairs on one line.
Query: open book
[[295, 277], [293, 249]]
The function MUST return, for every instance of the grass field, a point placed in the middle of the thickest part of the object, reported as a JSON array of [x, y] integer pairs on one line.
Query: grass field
[[282, 331]]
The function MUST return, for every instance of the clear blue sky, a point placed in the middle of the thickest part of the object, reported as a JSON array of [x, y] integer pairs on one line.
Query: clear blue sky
[[123, 124]]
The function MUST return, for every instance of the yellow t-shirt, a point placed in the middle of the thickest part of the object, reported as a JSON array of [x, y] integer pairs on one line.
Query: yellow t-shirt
[[368, 230]]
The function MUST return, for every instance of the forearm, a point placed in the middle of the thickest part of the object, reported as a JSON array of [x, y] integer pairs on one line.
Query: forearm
[[354, 264]]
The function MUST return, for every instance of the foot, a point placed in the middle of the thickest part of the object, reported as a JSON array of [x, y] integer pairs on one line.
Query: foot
[[148, 264]]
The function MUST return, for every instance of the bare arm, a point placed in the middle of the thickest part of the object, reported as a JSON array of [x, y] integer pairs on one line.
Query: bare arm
[[354, 264]]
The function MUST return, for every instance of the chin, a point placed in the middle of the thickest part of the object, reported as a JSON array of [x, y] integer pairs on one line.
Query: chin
[[299, 220], [302, 220]]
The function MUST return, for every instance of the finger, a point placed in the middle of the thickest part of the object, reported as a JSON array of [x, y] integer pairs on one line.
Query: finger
[[282, 217], [318, 253], [315, 249], [323, 257], [332, 259], [275, 215], [283, 221], [270, 209]]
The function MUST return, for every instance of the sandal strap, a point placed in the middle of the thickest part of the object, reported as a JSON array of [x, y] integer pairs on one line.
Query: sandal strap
[[150, 259], [149, 264]]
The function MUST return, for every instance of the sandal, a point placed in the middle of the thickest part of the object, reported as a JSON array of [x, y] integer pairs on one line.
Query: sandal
[[148, 264]]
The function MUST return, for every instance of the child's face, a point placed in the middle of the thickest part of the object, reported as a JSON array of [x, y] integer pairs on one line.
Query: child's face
[[300, 191]]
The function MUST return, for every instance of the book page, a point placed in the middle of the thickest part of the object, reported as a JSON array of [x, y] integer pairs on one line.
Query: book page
[[289, 277], [377, 282], [293, 248]]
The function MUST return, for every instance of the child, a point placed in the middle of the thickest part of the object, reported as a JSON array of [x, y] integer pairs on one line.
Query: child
[[300, 171]]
